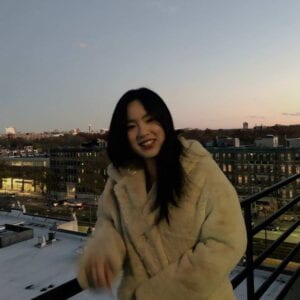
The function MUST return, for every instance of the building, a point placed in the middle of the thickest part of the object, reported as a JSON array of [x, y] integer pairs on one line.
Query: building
[[227, 142], [293, 143], [10, 130], [26, 161], [23, 174], [245, 125], [267, 141], [80, 172], [251, 169]]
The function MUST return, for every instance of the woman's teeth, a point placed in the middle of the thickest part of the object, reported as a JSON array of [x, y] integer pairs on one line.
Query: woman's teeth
[[147, 143]]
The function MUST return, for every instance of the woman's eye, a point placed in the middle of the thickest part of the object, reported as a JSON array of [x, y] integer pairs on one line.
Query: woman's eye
[[150, 119], [130, 126]]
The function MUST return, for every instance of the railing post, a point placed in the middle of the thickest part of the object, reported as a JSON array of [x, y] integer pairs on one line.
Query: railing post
[[249, 253]]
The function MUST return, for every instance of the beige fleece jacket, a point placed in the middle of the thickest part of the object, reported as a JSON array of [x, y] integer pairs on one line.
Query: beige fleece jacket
[[189, 259]]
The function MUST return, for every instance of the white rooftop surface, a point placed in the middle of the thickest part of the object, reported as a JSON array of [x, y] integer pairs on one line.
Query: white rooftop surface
[[259, 278], [23, 264]]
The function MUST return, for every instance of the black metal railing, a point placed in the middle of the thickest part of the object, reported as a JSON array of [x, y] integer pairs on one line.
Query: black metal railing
[[72, 287], [251, 264], [64, 291]]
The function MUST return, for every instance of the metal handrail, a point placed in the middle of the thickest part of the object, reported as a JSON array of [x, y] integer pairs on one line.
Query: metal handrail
[[274, 216], [288, 285], [251, 264], [269, 190], [64, 291], [262, 289], [243, 274]]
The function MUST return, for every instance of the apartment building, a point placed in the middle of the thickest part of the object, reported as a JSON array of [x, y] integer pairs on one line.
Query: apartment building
[[79, 172], [251, 169]]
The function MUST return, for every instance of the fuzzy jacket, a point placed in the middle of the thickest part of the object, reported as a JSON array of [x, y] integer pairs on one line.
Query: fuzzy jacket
[[191, 257]]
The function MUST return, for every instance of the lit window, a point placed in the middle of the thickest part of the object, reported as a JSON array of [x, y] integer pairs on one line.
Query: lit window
[[224, 168], [291, 193], [240, 179], [229, 168], [246, 179]]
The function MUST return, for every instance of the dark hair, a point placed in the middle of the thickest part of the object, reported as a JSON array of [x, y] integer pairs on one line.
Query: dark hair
[[169, 170]]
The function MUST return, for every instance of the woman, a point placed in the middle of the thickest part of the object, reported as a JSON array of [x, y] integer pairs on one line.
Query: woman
[[168, 217]]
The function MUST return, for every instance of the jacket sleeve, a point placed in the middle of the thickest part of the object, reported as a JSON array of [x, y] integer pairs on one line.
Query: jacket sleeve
[[106, 241], [222, 242]]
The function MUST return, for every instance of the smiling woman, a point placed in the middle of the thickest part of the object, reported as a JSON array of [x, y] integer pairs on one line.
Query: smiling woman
[[168, 217]]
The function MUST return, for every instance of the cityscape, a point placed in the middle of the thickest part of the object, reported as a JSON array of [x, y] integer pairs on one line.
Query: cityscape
[[59, 177], [52, 178]]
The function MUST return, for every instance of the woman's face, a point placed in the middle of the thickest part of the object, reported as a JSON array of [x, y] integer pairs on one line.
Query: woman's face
[[145, 134]]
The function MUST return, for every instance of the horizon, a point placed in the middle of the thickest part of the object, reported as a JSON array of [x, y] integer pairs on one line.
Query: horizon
[[97, 130], [65, 64]]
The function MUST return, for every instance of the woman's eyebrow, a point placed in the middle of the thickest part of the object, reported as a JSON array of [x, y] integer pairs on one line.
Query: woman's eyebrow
[[143, 117]]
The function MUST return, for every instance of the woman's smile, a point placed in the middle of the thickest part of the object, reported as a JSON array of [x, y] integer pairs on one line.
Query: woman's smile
[[144, 132]]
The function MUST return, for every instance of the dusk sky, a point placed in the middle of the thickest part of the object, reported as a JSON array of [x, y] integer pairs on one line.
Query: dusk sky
[[65, 63]]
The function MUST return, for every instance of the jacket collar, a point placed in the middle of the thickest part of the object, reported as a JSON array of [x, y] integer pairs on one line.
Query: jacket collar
[[192, 153]]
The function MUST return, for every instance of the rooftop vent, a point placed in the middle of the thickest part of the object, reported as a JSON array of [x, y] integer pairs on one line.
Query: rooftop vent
[[12, 234]]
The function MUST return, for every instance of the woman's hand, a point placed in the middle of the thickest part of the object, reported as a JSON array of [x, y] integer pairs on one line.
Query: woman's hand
[[96, 270], [102, 259], [99, 273]]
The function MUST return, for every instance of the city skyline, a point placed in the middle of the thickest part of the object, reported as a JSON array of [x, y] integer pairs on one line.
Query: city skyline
[[64, 64]]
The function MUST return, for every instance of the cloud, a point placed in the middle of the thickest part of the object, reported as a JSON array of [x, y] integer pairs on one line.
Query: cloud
[[255, 117], [168, 8], [297, 114], [82, 45]]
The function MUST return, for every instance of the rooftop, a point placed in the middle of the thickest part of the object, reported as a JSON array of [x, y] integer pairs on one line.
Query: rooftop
[[29, 270]]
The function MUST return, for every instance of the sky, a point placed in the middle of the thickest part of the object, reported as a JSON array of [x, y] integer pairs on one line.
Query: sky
[[65, 63]]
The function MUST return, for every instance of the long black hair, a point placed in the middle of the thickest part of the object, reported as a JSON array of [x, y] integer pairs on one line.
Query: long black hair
[[169, 170]]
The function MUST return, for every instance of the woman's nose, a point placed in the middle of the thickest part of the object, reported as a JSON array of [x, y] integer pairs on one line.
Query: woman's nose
[[143, 130]]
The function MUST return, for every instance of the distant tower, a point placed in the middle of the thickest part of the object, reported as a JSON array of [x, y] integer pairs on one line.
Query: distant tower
[[90, 127], [245, 125]]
